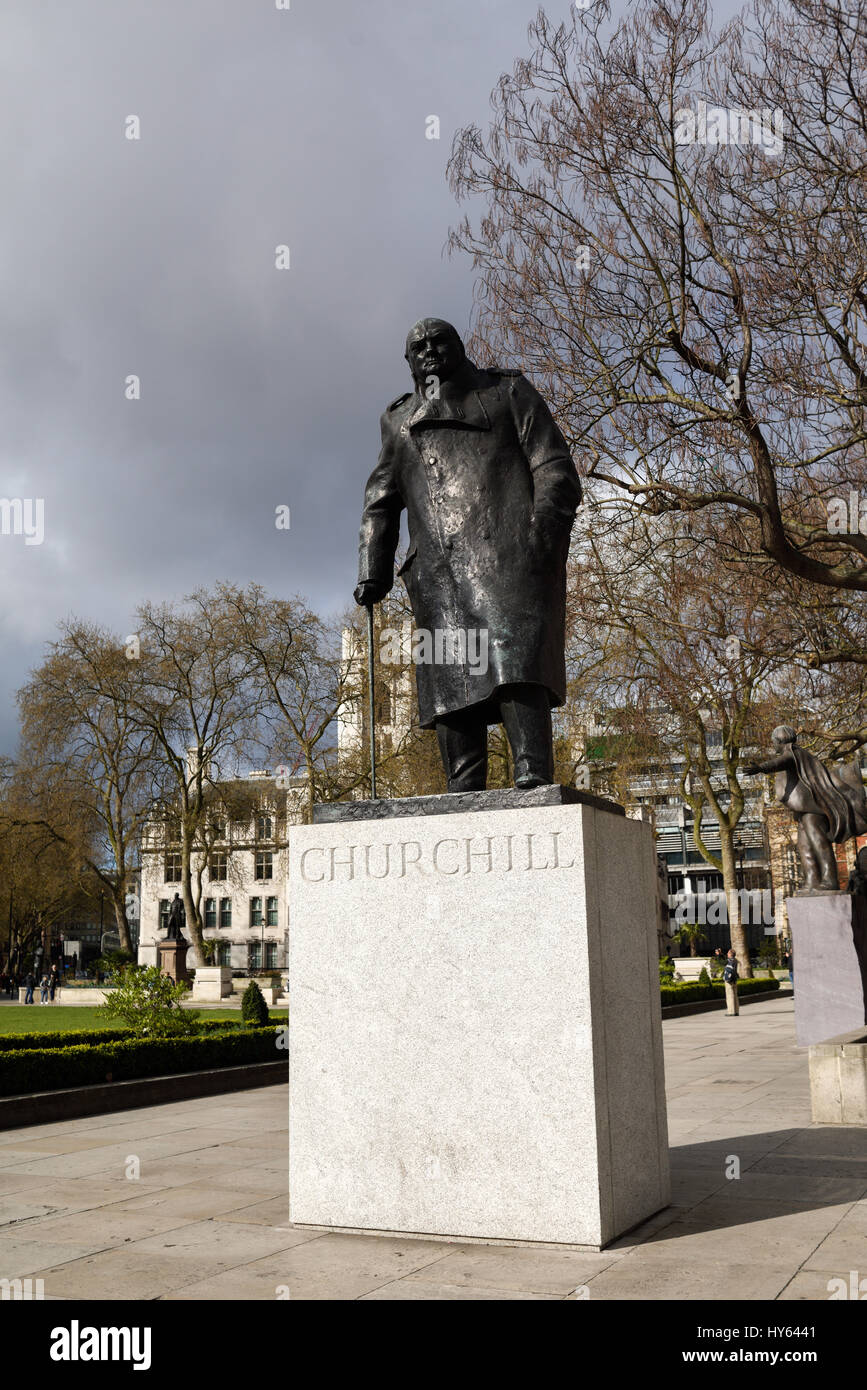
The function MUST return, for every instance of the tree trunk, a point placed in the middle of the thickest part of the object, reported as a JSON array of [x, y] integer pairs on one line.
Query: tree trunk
[[119, 904], [194, 921], [737, 934]]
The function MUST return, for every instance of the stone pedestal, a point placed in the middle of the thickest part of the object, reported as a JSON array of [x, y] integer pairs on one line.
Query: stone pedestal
[[829, 940], [475, 1033], [212, 982], [838, 1080], [173, 959]]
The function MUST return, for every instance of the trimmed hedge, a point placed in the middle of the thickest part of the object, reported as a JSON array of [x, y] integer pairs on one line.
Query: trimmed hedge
[[10, 1042], [688, 993], [50, 1069]]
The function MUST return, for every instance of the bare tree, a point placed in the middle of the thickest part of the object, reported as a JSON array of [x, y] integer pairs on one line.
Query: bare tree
[[697, 310], [678, 653], [90, 765], [43, 880], [199, 704]]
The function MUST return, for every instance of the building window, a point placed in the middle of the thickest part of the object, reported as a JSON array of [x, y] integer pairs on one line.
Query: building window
[[173, 831], [264, 864], [210, 912], [173, 868], [254, 955], [218, 866], [264, 828], [224, 953], [255, 912], [273, 920], [270, 955], [225, 912], [218, 829], [164, 913]]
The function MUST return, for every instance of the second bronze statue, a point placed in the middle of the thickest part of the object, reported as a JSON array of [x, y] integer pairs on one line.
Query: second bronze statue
[[490, 491]]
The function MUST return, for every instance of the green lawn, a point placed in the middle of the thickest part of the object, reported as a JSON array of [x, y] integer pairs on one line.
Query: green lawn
[[51, 1018]]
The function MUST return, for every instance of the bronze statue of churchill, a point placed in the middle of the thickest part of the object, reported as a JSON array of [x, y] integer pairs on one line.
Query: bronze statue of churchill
[[490, 491]]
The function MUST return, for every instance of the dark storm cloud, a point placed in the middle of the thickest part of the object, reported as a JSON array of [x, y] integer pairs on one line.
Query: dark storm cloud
[[156, 258]]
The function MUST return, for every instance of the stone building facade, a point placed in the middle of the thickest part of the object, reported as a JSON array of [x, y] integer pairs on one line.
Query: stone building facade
[[242, 879]]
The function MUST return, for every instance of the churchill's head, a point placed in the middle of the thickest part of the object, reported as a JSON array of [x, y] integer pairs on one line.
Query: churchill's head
[[434, 349]]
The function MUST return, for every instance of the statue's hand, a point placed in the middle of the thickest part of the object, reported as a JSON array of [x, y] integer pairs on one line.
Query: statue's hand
[[546, 531], [750, 769], [367, 593]]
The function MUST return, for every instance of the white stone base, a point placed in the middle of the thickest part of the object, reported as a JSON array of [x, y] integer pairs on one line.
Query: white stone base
[[475, 1031], [212, 982], [838, 1080]]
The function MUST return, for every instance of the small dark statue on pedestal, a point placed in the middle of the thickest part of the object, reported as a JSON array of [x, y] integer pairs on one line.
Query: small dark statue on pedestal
[[829, 806], [172, 953], [177, 920], [490, 491]]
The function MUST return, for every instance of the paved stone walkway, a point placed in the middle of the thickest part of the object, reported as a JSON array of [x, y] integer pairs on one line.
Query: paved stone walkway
[[208, 1217]]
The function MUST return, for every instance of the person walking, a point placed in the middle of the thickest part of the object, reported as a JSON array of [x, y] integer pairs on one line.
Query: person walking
[[43, 989], [789, 963], [53, 983], [730, 980], [29, 983]]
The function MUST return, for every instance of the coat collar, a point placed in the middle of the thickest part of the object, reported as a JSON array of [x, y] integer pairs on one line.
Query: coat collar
[[461, 407]]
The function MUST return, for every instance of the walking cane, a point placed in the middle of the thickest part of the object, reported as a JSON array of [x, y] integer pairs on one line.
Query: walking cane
[[371, 717]]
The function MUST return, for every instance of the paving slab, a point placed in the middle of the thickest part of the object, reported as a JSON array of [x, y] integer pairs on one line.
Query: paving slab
[[208, 1218], [427, 1292]]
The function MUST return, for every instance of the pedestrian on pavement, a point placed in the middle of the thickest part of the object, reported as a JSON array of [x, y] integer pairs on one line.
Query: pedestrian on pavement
[[789, 963], [29, 983], [53, 983], [730, 980], [43, 989]]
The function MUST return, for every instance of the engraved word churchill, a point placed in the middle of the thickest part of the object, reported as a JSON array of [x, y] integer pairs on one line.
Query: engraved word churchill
[[525, 852]]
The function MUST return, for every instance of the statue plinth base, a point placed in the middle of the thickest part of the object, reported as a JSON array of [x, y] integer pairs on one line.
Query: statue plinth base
[[173, 960], [829, 941], [475, 1042]]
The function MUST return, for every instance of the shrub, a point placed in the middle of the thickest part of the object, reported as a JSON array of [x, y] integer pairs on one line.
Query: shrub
[[11, 1042], [211, 948], [254, 1010], [666, 971], [689, 992], [149, 1003], [114, 962], [704, 978], [48, 1069]]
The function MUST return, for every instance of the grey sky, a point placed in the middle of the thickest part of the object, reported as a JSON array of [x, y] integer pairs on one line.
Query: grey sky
[[156, 257]]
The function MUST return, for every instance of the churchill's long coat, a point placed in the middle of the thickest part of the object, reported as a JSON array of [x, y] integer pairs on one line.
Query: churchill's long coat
[[490, 491]]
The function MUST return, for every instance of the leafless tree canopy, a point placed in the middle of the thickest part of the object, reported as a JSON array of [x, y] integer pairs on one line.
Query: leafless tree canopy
[[696, 311]]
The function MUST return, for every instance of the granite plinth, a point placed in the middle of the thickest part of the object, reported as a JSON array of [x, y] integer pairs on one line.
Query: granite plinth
[[173, 959], [829, 939], [838, 1080], [212, 982], [475, 1033], [452, 803]]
